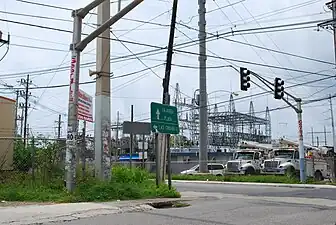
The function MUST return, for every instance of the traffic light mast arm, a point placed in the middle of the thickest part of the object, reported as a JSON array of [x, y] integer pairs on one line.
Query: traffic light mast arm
[[264, 81], [267, 83]]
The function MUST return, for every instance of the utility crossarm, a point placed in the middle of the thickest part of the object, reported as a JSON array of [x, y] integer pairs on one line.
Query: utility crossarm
[[84, 11], [82, 44]]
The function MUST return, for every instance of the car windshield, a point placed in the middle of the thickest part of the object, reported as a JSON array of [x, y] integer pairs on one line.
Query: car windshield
[[194, 167], [284, 154], [244, 155]]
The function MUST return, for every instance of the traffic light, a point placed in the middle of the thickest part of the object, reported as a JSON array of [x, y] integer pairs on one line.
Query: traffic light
[[244, 79], [278, 88]]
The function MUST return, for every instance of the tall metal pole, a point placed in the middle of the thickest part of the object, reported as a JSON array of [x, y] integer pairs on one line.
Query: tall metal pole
[[203, 150], [163, 146], [131, 139], [301, 147], [26, 112], [72, 130], [103, 97]]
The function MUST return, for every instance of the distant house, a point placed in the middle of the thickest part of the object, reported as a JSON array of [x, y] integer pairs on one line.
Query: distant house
[[7, 131]]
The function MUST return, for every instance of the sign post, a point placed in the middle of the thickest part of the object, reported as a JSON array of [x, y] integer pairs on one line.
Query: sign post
[[164, 120]]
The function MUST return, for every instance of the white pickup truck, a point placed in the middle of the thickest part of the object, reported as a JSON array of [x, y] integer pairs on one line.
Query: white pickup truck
[[286, 162], [215, 169], [246, 162]]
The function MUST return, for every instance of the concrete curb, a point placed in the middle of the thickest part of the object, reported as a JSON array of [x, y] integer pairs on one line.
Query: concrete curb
[[312, 186], [38, 214]]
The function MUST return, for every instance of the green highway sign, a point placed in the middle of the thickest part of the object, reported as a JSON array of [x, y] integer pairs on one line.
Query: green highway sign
[[164, 119]]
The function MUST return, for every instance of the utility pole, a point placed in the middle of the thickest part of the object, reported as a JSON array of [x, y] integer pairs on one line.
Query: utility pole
[[117, 136], [332, 123], [131, 138], [21, 120], [334, 138], [203, 111], [26, 82], [16, 113], [143, 151], [103, 93], [325, 136], [162, 140], [77, 47], [59, 126], [83, 148], [312, 136]]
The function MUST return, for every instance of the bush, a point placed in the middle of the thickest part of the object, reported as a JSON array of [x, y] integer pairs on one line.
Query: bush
[[125, 184]]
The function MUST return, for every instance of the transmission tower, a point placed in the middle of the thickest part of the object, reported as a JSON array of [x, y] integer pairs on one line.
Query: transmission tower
[[268, 127], [252, 114]]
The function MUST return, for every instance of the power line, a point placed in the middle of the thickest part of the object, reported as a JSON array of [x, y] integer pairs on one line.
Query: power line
[[254, 63], [69, 9], [90, 82]]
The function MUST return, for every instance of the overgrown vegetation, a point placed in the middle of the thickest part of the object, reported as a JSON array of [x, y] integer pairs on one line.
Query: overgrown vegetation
[[38, 176]]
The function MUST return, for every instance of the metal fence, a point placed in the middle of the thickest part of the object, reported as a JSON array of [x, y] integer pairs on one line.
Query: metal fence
[[44, 158]]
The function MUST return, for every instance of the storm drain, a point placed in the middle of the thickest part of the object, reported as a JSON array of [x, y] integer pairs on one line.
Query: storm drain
[[168, 205]]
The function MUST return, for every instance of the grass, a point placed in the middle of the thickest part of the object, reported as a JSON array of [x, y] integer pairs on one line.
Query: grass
[[126, 184]]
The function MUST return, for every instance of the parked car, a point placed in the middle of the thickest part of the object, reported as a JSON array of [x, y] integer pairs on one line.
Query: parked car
[[216, 169]]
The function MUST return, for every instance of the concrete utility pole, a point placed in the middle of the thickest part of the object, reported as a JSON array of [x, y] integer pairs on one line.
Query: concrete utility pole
[[103, 100], [203, 112], [301, 146], [77, 47], [332, 122], [163, 140]]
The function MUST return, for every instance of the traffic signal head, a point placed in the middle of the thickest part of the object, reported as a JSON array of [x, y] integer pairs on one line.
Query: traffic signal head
[[278, 88], [244, 79]]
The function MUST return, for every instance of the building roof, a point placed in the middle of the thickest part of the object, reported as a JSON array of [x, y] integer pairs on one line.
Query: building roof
[[7, 99]]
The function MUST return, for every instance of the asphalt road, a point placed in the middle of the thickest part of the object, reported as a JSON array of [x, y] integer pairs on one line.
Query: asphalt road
[[233, 205], [258, 190]]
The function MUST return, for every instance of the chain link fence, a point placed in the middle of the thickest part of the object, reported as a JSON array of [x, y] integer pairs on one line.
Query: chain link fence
[[43, 159]]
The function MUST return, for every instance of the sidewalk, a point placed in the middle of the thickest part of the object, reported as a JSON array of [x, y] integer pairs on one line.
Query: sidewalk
[[33, 214], [316, 186]]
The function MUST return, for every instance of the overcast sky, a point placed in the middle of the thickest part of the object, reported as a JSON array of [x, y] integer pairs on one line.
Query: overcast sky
[[26, 55]]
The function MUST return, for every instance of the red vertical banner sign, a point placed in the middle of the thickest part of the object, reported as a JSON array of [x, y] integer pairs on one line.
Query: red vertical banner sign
[[85, 111]]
